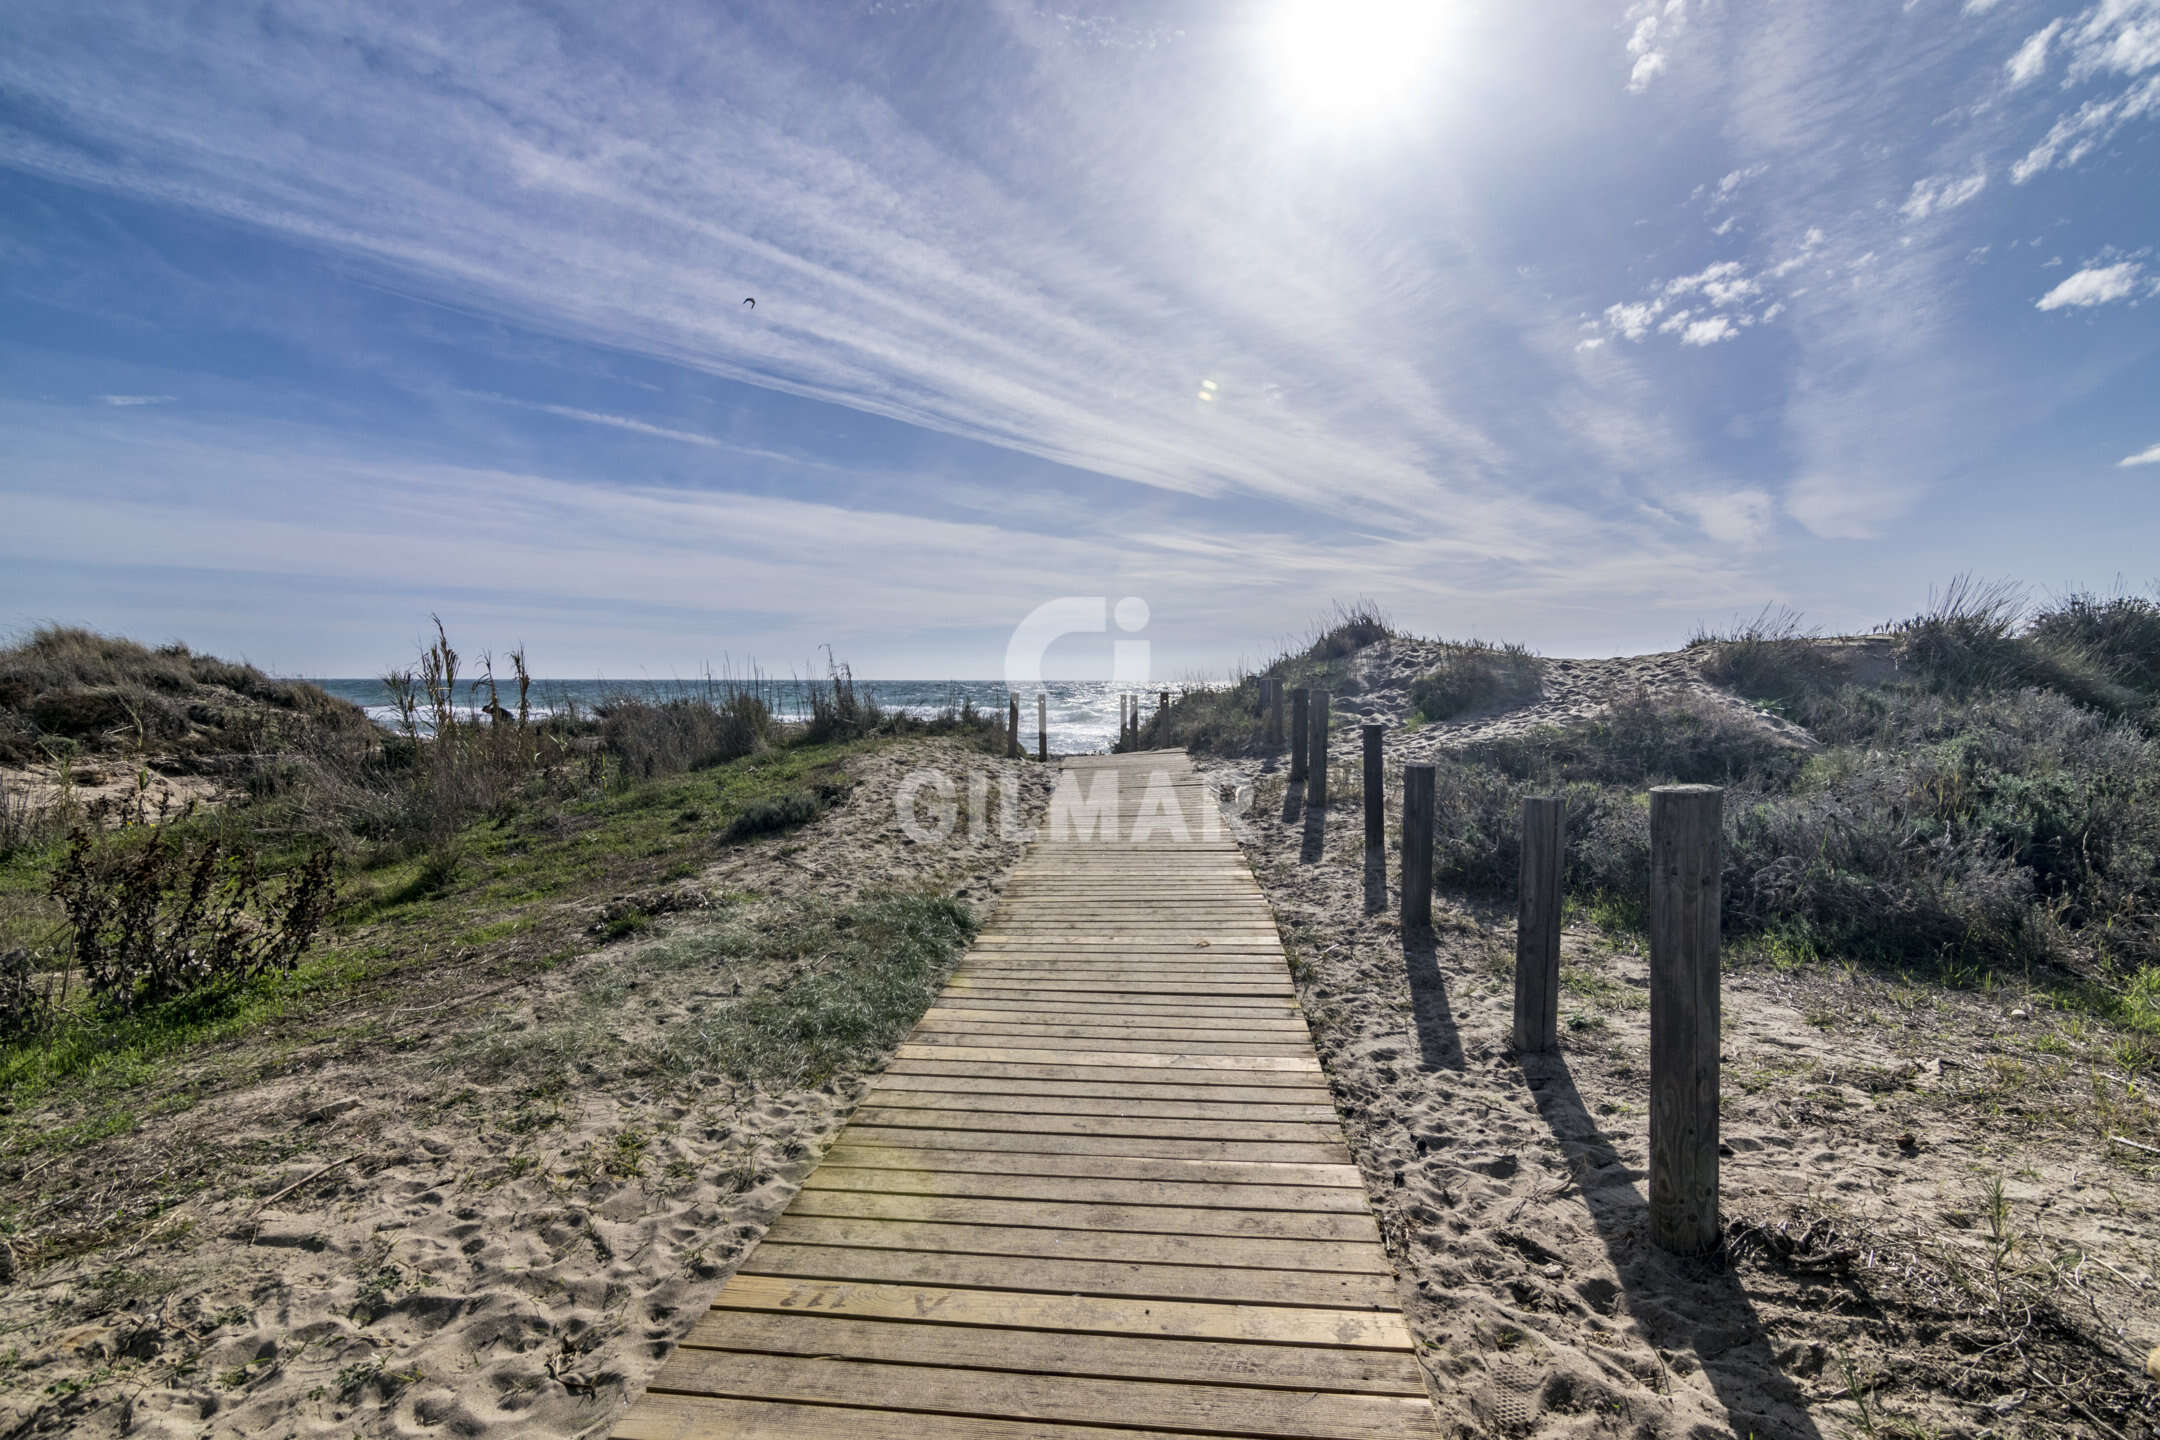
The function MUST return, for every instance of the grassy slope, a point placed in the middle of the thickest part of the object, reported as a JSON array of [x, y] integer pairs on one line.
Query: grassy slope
[[522, 898]]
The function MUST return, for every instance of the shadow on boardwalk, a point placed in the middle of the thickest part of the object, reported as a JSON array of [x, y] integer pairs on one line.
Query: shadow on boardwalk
[[1679, 1303]]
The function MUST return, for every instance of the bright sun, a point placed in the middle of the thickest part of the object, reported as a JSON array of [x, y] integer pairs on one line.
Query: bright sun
[[1345, 58]]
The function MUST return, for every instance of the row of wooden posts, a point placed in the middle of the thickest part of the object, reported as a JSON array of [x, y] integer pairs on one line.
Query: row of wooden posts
[[1128, 723], [1686, 856]]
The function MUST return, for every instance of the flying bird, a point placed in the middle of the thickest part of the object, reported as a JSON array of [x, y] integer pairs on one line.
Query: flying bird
[[750, 302]]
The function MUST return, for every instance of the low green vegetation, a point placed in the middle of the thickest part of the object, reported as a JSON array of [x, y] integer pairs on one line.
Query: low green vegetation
[[1985, 799], [811, 988], [515, 900], [1348, 630], [344, 861], [1475, 675], [1467, 677], [858, 976], [1229, 719]]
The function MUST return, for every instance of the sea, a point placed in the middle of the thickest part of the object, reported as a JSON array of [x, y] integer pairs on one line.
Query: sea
[[1083, 714]]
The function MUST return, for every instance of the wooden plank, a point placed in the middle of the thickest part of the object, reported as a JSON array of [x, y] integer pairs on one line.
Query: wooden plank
[[659, 1415], [1331, 1153], [951, 1085], [1264, 1023], [931, 1101], [896, 1117], [1127, 1021], [1072, 1277], [1084, 1314], [1209, 1040], [1245, 1252], [1161, 1037], [1120, 1167], [934, 1064], [1128, 1060], [1208, 1362], [999, 1394], [1170, 1203], [1343, 1224], [1196, 967], [1111, 1044], [1023, 988], [1117, 974], [1052, 988], [991, 997]]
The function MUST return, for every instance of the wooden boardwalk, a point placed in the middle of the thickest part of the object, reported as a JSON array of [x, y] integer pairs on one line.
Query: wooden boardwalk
[[1099, 1194]]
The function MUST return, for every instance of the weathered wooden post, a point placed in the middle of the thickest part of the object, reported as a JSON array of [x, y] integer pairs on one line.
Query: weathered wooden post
[[1274, 710], [1686, 855], [1012, 726], [1537, 926], [1299, 699], [1417, 838], [1316, 718], [1375, 818], [1042, 727]]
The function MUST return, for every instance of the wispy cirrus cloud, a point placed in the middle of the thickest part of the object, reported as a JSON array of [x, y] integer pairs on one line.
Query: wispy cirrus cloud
[[2148, 456], [1940, 193], [303, 502], [1576, 364], [895, 271], [124, 401]]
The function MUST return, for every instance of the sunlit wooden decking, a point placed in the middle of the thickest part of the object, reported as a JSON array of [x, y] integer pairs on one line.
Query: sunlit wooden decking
[[1100, 1191]]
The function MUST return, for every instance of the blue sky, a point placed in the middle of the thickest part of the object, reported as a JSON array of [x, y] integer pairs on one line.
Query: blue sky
[[1575, 324]]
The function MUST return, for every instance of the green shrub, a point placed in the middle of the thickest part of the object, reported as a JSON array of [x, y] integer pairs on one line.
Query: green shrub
[[1769, 658], [2121, 633], [1995, 829], [26, 997], [152, 914], [1476, 675], [673, 736], [839, 711], [1646, 740], [1210, 719], [1974, 638], [1349, 630], [774, 813]]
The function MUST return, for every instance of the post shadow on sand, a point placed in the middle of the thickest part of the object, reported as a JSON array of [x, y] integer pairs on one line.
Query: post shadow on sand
[[1315, 834], [1375, 881], [1439, 1046], [1675, 1299], [1293, 799]]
